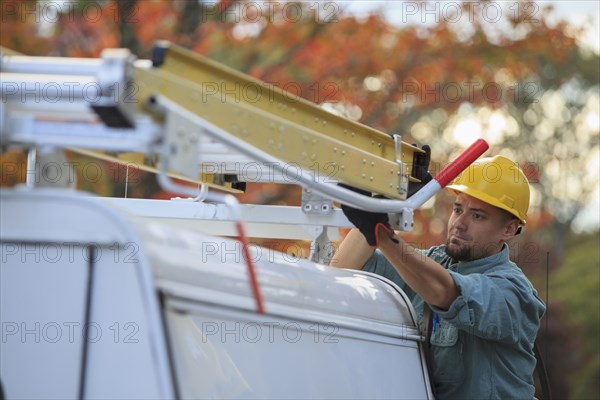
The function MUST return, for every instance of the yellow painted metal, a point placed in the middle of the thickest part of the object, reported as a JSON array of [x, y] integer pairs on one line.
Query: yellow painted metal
[[136, 160], [288, 127], [9, 52]]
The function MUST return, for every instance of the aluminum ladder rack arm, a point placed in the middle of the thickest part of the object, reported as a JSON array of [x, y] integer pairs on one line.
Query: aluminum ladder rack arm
[[314, 182]]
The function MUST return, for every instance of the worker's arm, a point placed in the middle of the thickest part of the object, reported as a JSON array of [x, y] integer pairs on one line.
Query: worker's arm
[[353, 252], [426, 277], [422, 274]]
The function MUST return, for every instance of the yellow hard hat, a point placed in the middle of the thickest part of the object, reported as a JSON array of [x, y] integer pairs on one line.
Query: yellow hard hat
[[497, 181]]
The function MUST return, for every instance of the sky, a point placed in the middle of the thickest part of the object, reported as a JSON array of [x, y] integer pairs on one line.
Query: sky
[[399, 12]]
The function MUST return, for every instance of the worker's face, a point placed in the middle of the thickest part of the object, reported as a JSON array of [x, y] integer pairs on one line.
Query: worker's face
[[477, 229]]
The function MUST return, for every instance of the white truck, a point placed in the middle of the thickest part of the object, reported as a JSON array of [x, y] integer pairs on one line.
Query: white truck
[[133, 298]]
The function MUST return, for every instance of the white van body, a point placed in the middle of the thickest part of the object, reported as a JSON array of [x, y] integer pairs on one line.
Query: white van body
[[98, 303]]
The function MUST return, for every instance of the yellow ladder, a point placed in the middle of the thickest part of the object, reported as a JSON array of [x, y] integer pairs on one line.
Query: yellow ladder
[[277, 122]]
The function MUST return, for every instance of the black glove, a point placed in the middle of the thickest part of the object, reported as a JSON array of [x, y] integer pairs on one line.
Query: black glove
[[420, 170], [367, 222]]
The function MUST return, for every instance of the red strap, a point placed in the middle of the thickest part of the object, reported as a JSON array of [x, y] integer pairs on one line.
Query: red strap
[[260, 306]]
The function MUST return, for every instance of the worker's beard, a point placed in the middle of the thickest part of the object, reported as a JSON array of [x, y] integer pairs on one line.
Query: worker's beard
[[458, 252]]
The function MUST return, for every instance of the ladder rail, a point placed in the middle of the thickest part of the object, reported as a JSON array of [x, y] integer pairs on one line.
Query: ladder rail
[[310, 180]]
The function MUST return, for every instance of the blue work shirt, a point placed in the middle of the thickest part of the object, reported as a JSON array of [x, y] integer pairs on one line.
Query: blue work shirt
[[482, 346]]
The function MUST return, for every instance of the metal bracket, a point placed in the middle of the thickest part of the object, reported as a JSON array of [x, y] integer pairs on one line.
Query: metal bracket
[[403, 220], [313, 203], [402, 174], [115, 80], [321, 248], [182, 144]]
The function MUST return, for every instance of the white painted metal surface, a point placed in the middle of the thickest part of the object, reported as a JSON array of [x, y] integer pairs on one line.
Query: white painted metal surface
[[211, 269], [46, 236], [256, 357], [325, 329], [281, 222]]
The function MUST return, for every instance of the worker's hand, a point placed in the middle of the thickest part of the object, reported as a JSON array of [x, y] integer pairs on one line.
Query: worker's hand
[[367, 222], [420, 170]]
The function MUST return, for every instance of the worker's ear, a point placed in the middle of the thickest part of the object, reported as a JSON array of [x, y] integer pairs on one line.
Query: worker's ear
[[512, 227]]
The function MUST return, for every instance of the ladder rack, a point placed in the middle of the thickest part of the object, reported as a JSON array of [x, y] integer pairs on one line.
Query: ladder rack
[[192, 118], [50, 100]]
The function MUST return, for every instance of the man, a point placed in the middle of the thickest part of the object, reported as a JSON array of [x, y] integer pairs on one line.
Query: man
[[485, 312]]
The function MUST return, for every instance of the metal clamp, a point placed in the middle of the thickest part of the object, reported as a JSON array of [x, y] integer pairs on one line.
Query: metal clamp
[[321, 247], [402, 175], [313, 203], [403, 220]]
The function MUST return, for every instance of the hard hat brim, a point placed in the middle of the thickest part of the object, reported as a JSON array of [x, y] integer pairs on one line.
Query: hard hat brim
[[455, 189]]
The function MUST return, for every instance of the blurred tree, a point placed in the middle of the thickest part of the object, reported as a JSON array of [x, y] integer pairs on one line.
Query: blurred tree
[[126, 12], [20, 28], [576, 286]]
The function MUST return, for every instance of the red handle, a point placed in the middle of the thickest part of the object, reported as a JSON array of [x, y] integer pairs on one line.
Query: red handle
[[457, 166]]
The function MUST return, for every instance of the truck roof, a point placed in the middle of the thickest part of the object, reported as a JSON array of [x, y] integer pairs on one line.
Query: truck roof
[[212, 269], [198, 267]]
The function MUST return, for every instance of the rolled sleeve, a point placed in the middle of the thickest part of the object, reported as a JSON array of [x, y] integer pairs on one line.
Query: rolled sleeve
[[485, 307], [459, 310]]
